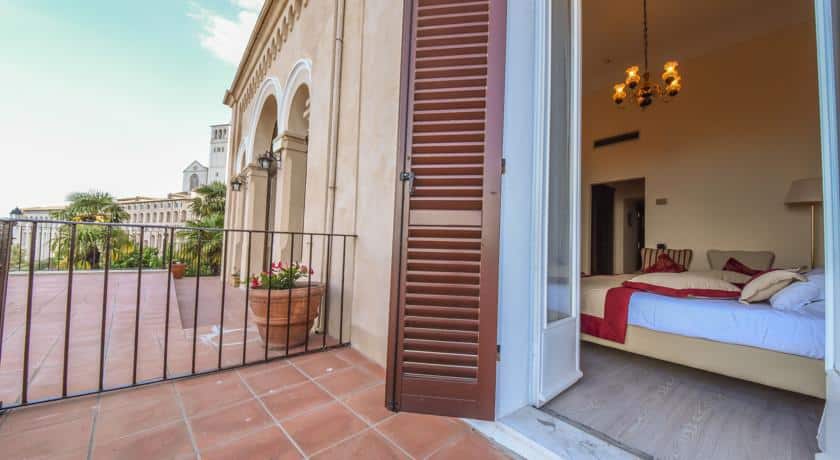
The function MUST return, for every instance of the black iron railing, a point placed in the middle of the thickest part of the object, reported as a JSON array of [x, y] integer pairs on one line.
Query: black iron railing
[[90, 307]]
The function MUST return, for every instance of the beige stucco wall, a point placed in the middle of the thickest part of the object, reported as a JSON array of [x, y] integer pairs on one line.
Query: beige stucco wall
[[723, 154], [366, 155]]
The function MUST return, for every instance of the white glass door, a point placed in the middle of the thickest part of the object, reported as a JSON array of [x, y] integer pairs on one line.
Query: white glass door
[[557, 279], [827, 16]]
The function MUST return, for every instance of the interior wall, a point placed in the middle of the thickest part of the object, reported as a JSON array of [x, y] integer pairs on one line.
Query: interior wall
[[723, 154]]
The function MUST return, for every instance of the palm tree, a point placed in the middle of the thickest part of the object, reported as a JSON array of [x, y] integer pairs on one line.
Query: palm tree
[[209, 207], [201, 237], [210, 200], [91, 242], [93, 206]]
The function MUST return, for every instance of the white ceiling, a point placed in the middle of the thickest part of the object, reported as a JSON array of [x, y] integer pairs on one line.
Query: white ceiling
[[677, 29]]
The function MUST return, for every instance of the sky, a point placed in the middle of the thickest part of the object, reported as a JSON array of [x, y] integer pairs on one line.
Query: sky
[[112, 95]]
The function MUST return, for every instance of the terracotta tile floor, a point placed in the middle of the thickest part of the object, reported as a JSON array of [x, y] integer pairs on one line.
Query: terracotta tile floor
[[155, 333], [327, 406]]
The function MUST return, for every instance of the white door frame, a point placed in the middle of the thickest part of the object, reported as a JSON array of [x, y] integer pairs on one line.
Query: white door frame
[[541, 390], [827, 58], [827, 15]]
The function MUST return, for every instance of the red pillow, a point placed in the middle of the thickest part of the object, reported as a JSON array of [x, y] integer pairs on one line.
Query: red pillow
[[665, 264], [735, 265]]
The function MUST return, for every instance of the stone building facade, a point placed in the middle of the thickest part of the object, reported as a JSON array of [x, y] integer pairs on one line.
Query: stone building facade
[[317, 87]]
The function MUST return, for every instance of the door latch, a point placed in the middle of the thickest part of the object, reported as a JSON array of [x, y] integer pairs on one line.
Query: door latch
[[408, 176]]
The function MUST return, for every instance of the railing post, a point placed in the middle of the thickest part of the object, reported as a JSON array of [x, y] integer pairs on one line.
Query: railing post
[[168, 300], [308, 294], [197, 293], [327, 291], [68, 310], [268, 302], [137, 307], [247, 295], [6, 229], [225, 235], [24, 398], [289, 308], [341, 293], [104, 320]]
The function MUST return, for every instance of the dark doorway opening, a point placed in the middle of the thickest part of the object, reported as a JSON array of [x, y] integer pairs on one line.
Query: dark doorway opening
[[617, 227]]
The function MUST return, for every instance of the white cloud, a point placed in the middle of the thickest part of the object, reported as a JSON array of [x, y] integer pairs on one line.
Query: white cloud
[[226, 37]]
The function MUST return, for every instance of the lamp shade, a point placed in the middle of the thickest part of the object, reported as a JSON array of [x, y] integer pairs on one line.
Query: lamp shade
[[805, 191]]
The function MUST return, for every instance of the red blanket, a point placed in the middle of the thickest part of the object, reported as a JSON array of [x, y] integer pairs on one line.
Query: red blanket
[[613, 326]]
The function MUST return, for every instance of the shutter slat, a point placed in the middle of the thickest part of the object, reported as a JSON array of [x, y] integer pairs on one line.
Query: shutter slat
[[446, 324], [439, 370], [452, 312], [422, 357], [447, 267], [441, 335], [440, 346]]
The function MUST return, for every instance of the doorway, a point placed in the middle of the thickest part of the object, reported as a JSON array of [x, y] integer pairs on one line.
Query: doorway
[[618, 232], [617, 226]]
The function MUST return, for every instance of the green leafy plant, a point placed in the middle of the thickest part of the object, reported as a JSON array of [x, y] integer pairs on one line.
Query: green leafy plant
[[281, 276]]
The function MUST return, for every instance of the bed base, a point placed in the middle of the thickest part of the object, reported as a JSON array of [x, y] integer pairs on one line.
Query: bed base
[[771, 368]]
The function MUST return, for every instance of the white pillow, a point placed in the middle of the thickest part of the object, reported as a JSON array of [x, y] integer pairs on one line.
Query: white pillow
[[799, 294], [764, 286], [818, 278], [795, 297]]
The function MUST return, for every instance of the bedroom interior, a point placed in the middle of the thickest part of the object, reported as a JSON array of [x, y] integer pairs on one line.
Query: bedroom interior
[[702, 295]]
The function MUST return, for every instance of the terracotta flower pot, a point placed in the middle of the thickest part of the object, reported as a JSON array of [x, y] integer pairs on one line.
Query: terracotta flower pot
[[279, 324], [178, 270]]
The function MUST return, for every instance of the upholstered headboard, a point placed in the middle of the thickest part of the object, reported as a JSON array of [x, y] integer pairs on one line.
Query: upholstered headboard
[[757, 260]]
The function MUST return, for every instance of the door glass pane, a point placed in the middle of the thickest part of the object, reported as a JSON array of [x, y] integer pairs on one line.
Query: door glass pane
[[559, 184]]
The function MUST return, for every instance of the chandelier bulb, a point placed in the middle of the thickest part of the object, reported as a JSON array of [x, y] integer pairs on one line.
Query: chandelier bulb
[[674, 87], [619, 93], [633, 78], [671, 73]]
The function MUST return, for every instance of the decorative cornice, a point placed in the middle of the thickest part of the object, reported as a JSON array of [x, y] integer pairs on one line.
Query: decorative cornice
[[257, 60]]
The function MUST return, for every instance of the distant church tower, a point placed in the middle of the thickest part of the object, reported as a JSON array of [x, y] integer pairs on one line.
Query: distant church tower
[[218, 153]]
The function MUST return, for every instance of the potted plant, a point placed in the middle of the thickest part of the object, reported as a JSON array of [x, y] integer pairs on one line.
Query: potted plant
[[291, 301], [178, 269]]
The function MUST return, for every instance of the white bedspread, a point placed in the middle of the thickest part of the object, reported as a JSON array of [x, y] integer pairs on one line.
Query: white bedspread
[[756, 325]]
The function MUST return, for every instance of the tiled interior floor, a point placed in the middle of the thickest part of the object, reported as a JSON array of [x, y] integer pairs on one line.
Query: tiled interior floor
[[325, 405]]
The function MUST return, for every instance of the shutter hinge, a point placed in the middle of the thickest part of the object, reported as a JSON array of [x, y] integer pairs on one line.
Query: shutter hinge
[[498, 353], [504, 165], [408, 176]]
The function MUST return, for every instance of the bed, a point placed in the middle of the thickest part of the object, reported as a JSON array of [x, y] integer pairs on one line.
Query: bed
[[752, 342]]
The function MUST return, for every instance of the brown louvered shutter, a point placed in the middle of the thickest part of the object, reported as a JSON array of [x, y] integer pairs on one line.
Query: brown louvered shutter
[[444, 303]]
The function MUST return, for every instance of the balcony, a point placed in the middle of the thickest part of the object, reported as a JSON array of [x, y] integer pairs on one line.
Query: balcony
[[107, 356]]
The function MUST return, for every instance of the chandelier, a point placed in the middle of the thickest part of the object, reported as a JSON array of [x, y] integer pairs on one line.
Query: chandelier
[[639, 86]]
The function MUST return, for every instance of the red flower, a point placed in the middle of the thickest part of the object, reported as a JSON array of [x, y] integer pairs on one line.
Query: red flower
[[255, 282]]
